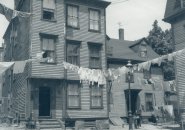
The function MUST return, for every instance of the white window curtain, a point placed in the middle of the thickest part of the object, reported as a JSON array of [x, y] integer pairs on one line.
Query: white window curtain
[[72, 16], [48, 44], [96, 96], [73, 95], [49, 4], [94, 20]]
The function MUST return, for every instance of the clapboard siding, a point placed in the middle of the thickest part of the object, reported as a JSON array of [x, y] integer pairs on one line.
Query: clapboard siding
[[179, 41], [180, 61], [179, 33], [119, 106], [19, 93], [82, 34], [86, 111], [55, 28]]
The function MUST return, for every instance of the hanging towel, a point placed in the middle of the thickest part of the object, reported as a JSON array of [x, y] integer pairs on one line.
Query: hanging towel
[[19, 67]]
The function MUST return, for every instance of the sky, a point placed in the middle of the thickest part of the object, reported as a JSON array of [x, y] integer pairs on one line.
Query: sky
[[135, 16]]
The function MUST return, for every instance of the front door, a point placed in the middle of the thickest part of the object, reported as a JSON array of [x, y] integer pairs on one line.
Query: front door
[[44, 101], [135, 103]]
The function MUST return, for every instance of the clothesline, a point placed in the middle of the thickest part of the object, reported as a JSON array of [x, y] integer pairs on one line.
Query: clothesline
[[10, 13], [94, 75]]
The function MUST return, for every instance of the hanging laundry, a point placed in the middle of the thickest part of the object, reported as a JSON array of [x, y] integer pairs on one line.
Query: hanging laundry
[[170, 57], [172, 85], [169, 109], [155, 61], [19, 67], [122, 70], [10, 13]]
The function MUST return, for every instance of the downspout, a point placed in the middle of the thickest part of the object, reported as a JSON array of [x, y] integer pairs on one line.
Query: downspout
[[108, 91], [65, 71]]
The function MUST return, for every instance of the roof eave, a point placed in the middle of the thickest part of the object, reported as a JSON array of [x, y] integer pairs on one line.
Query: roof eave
[[169, 19]]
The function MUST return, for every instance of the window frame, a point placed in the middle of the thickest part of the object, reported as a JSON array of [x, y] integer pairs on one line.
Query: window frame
[[79, 95], [48, 36], [182, 3], [146, 102], [99, 47], [147, 73], [78, 25], [49, 10], [78, 43], [99, 20], [91, 96]]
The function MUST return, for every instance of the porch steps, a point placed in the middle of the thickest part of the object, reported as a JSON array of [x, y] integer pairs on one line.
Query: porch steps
[[49, 124]]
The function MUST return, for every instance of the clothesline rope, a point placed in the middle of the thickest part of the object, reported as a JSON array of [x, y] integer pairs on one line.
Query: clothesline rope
[[113, 74], [10, 13]]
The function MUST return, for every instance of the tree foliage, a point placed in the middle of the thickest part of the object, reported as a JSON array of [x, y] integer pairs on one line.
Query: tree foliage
[[161, 42]]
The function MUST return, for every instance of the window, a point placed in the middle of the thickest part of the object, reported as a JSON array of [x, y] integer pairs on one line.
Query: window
[[72, 16], [73, 52], [95, 56], [73, 95], [149, 101], [143, 51], [146, 74], [48, 47], [96, 96], [183, 3], [94, 20], [48, 11]]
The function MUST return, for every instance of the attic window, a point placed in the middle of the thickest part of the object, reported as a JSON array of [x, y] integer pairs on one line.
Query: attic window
[[143, 51]]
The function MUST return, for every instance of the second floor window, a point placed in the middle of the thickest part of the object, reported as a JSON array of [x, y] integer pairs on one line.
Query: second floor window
[[48, 11], [73, 52], [96, 96], [73, 95], [48, 47], [95, 56], [72, 16], [146, 74], [149, 101], [94, 20]]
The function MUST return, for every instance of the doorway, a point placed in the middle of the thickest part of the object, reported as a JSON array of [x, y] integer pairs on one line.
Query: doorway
[[44, 101], [135, 100]]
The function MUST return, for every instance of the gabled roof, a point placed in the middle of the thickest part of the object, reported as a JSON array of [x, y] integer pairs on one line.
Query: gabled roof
[[173, 10], [122, 49]]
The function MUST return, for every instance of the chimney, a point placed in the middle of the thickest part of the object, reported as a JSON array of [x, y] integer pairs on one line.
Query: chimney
[[121, 34]]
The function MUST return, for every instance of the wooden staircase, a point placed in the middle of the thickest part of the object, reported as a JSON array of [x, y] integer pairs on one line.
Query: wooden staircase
[[49, 124]]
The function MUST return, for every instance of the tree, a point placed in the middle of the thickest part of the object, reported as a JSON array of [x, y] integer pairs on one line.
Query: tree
[[161, 42]]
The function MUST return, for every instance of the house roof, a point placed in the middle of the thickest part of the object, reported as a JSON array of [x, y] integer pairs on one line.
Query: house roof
[[173, 10], [122, 49]]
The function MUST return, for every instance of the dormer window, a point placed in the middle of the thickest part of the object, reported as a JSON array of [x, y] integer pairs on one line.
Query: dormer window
[[143, 50]]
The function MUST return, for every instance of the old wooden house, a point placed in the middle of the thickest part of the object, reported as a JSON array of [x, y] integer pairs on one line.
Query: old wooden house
[[64, 30], [174, 15], [147, 91]]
